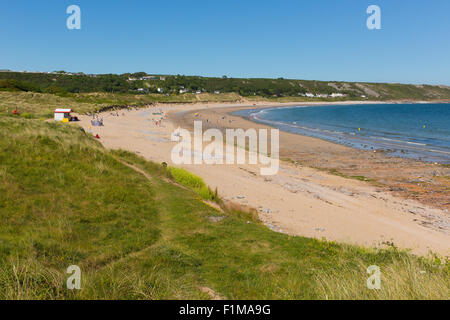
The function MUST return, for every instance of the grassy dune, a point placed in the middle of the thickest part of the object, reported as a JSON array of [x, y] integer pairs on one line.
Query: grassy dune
[[65, 200], [35, 105]]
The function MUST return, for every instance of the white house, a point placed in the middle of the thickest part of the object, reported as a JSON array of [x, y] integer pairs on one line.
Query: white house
[[337, 95], [309, 95], [62, 114], [149, 78]]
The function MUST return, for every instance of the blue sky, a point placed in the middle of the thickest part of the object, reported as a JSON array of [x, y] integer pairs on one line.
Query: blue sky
[[301, 39]]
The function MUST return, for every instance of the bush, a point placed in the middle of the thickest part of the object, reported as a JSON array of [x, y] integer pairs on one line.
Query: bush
[[15, 85], [193, 182], [56, 90], [27, 115]]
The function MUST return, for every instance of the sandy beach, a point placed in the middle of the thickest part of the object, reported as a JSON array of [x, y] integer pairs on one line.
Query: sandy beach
[[405, 203]]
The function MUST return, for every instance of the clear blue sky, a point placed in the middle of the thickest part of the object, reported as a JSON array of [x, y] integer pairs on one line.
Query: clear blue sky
[[302, 39]]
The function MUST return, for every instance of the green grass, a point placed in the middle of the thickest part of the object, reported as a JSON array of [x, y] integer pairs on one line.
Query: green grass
[[66, 200], [41, 105], [189, 180]]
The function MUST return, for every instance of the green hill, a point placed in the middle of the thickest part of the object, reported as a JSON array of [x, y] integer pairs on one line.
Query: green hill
[[135, 234], [141, 83], [35, 105]]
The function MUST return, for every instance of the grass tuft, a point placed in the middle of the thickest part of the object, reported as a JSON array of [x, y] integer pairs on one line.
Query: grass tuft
[[193, 182]]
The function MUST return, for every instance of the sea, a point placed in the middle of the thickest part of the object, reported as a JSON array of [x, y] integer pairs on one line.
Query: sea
[[412, 130]]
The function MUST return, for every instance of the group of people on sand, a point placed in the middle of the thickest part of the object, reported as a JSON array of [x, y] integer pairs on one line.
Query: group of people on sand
[[208, 122], [97, 121], [116, 114], [158, 122]]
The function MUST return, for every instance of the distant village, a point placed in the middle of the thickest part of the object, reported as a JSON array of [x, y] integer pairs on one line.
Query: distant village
[[53, 72], [183, 90]]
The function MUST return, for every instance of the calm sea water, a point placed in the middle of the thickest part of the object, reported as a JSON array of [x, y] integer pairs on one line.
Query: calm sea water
[[409, 130]]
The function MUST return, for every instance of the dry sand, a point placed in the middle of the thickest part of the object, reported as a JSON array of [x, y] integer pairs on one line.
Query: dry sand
[[299, 200]]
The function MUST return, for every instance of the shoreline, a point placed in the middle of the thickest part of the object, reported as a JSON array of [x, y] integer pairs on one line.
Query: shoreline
[[402, 184], [407, 150], [303, 199]]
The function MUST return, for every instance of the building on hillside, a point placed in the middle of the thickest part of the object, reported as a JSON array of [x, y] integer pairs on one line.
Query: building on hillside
[[62, 115], [337, 95], [149, 78]]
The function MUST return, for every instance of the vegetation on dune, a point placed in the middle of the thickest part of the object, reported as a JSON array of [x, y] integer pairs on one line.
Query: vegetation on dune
[[65, 200], [189, 180], [42, 105], [32, 104]]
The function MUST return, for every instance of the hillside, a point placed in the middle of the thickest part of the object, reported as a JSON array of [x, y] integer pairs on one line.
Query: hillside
[[141, 83], [135, 234], [35, 105]]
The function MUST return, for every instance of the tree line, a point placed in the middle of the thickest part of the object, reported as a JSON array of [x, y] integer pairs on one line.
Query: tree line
[[61, 82], [141, 83]]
